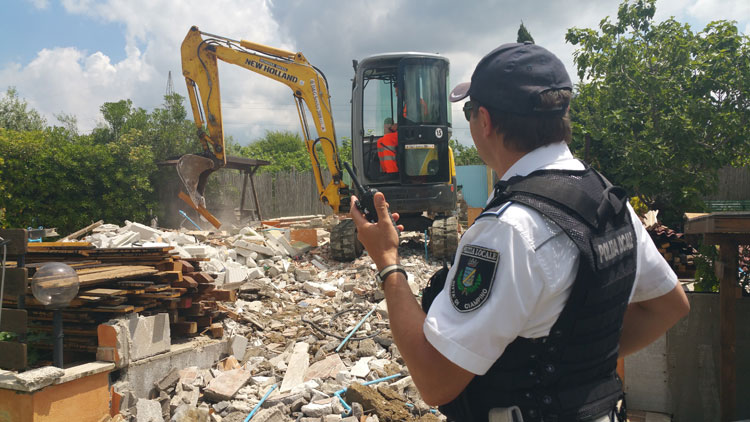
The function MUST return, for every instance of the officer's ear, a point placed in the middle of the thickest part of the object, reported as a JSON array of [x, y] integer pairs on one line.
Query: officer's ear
[[485, 121]]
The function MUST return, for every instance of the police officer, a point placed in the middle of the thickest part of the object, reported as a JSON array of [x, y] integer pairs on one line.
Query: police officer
[[554, 280]]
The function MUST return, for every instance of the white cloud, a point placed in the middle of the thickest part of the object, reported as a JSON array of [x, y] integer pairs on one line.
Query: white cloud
[[330, 34]]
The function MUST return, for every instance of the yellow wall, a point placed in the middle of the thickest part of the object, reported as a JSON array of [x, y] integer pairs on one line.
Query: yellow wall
[[82, 400]]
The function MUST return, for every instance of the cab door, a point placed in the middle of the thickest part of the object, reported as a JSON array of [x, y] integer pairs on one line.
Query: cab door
[[424, 126]]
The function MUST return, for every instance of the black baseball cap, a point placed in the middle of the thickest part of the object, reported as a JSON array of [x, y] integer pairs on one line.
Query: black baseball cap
[[511, 78]]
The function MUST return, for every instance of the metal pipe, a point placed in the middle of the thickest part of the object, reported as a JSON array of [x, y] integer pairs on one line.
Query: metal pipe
[[57, 332], [189, 219], [257, 406], [354, 330]]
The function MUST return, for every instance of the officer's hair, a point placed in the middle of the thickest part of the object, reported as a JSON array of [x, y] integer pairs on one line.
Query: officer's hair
[[526, 133]]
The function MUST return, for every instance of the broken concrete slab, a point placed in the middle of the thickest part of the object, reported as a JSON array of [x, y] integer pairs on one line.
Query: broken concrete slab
[[146, 233], [149, 335], [298, 364], [237, 346], [148, 411], [169, 380], [361, 369], [326, 368], [243, 247], [33, 379], [226, 384]]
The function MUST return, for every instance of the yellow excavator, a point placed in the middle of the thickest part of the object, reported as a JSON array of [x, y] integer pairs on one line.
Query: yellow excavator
[[423, 190]]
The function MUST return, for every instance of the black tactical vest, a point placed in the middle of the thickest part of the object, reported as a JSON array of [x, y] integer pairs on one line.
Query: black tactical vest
[[570, 375]]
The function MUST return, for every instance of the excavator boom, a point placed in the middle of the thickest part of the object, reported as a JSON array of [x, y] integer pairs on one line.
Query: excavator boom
[[200, 54]]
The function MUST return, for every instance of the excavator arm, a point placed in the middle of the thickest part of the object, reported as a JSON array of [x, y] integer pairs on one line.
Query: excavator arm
[[200, 54]]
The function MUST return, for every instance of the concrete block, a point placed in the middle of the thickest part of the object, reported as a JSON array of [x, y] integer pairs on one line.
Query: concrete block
[[124, 239], [226, 384], [298, 364], [237, 346], [148, 411], [278, 248], [149, 335], [302, 275], [243, 248], [281, 238], [146, 233], [196, 251], [315, 410], [362, 367], [254, 273]]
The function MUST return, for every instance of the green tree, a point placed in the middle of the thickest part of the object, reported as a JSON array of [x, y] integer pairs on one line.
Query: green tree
[[58, 181], [284, 149], [464, 155], [15, 113], [524, 35], [169, 132], [663, 107]]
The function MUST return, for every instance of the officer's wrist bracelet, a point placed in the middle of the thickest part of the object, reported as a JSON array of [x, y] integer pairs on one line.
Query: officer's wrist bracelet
[[385, 272]]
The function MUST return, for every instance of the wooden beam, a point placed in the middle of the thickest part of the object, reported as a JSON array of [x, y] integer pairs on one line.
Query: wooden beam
[[14, 320], [204, 212], [79, 233], [726, 271], [16, 281], [12, 355]]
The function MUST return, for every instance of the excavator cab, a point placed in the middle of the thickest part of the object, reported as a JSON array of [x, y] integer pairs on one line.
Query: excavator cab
[[410, 89]]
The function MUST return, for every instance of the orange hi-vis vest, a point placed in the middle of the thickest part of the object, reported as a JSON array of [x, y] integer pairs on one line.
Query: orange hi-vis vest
[[387, 152]]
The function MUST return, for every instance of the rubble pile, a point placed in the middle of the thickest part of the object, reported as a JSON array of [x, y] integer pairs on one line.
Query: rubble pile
[[305, 335]]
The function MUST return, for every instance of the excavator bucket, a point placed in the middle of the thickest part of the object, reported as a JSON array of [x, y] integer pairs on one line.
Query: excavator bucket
[[194, 171]]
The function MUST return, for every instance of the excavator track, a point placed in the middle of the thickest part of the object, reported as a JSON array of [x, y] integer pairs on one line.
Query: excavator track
[[345, 246], [443, 238]]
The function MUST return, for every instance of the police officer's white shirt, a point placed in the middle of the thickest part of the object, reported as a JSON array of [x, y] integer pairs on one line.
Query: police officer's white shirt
[[536, 268]]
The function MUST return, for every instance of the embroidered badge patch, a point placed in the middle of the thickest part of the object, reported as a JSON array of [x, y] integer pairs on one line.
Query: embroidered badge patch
[[473, 279]]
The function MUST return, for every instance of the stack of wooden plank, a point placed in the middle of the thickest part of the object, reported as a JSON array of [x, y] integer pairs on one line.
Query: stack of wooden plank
[[120, 281]]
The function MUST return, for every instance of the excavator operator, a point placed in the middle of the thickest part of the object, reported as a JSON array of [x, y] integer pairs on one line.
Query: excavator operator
[[387, 145]]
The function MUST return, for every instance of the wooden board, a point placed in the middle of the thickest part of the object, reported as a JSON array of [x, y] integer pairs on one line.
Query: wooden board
[[12, 355], [19, 240], [35, 247], [204, 212], [105, 292], [719, 222], [14, 320], [114, 274], [16, 281]]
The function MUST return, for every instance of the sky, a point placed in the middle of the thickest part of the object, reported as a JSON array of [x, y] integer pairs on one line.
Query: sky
[[71, 56]]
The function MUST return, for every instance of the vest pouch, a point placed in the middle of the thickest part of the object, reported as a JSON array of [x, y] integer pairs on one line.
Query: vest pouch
[[434, 286], [505, 414]]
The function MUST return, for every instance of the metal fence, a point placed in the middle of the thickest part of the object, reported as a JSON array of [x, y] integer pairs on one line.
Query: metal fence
[[734, 185], [295, 193], [285, 194]]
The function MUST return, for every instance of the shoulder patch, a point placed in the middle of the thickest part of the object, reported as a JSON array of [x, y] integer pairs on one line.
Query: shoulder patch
[[472, 281], [496, 213]]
